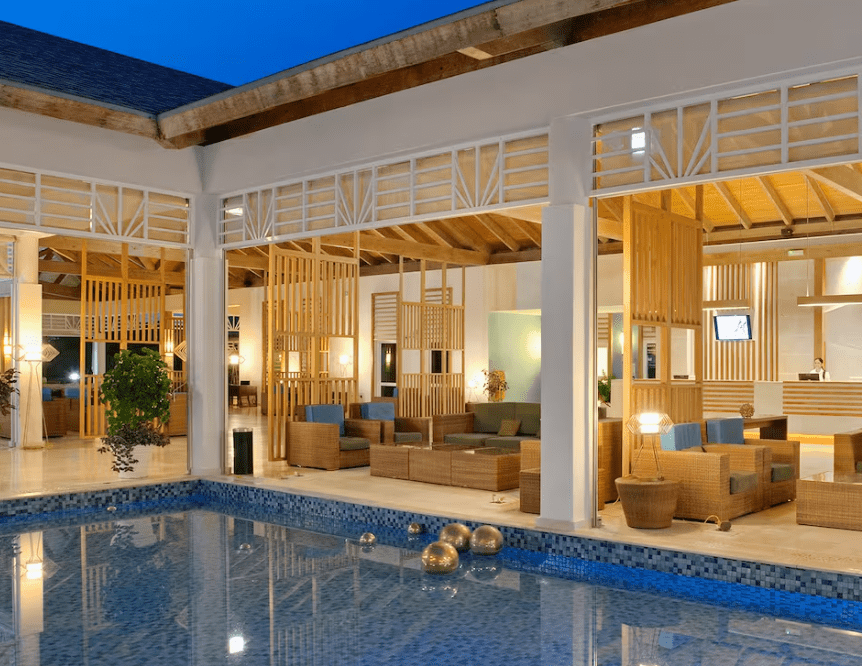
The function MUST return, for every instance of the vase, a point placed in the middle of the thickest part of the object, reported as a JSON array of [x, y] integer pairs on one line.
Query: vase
[[140, 469], [497, 396]]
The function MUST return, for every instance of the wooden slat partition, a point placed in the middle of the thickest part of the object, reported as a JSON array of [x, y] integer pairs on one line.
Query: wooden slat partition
[[757, 285], [726, 396], [115, 310], [312, 298], [663, 267], [823, 398]]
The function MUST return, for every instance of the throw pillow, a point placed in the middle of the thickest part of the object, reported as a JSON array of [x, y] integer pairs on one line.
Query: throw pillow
[[508, 428]]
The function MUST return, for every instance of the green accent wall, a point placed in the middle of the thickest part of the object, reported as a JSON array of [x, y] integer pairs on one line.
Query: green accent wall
[[515, 347]]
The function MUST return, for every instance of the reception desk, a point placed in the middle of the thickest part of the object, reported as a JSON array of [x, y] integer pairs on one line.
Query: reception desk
[[812, 408]]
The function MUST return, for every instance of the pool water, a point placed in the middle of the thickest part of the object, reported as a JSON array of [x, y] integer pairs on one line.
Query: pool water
[[202, 588]]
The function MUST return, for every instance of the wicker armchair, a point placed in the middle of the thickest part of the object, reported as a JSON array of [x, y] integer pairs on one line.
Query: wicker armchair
[[318, 441], [705, 479], [393, 429], [780, 469]]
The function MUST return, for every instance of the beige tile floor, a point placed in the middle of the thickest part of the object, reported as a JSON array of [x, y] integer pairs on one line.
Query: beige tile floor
[[768, 536]]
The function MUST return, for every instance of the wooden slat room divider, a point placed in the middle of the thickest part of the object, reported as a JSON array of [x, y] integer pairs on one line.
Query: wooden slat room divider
[[663, 272], [312, 298]]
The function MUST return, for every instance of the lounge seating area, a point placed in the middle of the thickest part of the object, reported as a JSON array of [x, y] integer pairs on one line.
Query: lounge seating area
[[324, 439], [495, 424]]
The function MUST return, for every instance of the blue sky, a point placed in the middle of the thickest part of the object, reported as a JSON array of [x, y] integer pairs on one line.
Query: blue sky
[[233, 42]]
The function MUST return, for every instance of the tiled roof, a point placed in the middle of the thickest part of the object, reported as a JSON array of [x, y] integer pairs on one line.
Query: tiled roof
[[43, 61]]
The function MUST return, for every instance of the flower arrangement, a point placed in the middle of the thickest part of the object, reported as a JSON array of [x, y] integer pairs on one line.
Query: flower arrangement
[[495, 384], [604, 389]]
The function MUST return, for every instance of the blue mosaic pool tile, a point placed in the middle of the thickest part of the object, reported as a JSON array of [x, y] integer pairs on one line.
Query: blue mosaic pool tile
[[787, 591]]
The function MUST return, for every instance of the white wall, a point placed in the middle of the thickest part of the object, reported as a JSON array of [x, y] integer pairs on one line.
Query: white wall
[[843, 340], [795, 325], [36, 142]]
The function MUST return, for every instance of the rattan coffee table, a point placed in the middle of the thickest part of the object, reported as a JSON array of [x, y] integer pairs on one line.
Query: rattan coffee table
[[486, 469], [393, 460], [834, 501]]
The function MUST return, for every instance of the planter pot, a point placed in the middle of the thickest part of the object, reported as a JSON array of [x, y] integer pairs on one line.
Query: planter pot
[[648, 503], [141, 468]]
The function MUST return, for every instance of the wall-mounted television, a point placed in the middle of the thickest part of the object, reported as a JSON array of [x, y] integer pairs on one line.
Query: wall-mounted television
[[731, 327]]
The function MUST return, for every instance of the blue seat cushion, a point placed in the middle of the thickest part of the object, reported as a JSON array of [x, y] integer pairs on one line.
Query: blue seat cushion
[[378, 411], [353, 443], [408, 437], [741, 482], [725, 431], [72, 392], [781, 472], [326, 414], [682, 436], [46, 395]]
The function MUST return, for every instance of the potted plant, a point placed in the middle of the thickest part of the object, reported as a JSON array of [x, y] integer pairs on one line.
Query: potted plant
[[7, 388], [604, 392], [136, 395], [495, 385]]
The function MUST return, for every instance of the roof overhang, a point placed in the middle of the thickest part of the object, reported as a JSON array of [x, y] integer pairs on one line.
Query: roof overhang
[[481, 37]]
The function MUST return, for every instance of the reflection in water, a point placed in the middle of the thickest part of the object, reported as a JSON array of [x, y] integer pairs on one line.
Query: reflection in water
[[202, 588]]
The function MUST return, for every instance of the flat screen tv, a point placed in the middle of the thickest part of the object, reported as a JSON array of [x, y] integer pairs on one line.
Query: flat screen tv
[[731, 327]]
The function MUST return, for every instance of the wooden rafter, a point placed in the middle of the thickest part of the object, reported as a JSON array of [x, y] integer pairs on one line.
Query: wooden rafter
[[493, 225], [733, 204], [775, 197]]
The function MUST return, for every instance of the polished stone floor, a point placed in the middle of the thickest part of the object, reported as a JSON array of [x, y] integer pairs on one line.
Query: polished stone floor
[[768, 536]]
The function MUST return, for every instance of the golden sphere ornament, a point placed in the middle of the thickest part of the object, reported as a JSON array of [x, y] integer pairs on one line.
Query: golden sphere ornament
[[367, 539], [747, 410], [439, 558], [457, 535], [486, 540], [415, 528]]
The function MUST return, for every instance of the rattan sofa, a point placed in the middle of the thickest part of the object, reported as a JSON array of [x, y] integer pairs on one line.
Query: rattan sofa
[[480, 424], [848, 452]]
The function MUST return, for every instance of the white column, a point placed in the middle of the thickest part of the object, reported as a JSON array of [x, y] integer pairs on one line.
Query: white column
[[206, 335], [29, 340], [568, 334]]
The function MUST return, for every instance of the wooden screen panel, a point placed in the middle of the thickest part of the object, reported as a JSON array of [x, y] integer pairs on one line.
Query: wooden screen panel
[[663, 273], [102, 303], [757, 285], [823, 398], [312, 298], [726, 396], [144, 304]]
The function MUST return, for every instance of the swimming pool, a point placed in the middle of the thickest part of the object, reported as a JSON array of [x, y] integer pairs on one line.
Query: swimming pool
[[200, 587], [190, 585]]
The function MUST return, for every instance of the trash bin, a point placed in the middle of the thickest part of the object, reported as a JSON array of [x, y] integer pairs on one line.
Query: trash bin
[[243, 460]]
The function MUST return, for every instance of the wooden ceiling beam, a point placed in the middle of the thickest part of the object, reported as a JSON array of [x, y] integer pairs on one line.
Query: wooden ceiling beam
[[467, 236], [733, 204], [526, 213], [530, 229], [822, 199], [845, 179], [775, 198], [691, 204], [70, 243], [810, 252], [610, 229], [493, 225], [411, 249]]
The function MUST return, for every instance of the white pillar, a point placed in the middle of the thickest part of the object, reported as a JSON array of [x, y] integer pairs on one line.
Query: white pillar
[[206, 335], [29, 340], [568, 334]]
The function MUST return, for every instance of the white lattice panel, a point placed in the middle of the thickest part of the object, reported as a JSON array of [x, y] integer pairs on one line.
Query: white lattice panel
[[806, 122], [464, 179], [90, 208]]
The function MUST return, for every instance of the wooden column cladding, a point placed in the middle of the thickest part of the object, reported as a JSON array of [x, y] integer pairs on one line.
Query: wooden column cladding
[[743, 361], [312, 298], [662, 289]]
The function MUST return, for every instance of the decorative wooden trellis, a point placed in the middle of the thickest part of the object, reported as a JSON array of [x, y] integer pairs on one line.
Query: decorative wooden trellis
[[432, 324], [312, 299], [662, 289], [118, 310]]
